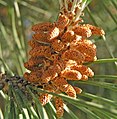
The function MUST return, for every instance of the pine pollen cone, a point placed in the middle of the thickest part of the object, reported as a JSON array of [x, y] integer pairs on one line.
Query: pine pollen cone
[[45, 98], [82, 31], [59, 106], [59, 81], [42, 27], [62, 22], [84, 70], [59, 53], [95, 30], [42, 51], [71, 91], [50, 73], [68, 36], [85, 47], [73, 55], [78, 90], [46, 36], [33, 77], [71, 74]]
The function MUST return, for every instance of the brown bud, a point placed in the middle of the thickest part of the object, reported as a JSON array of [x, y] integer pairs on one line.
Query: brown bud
[[71, 74], [82, 31], [84, 70], [59, 107], [40, 27], [73, 55], [45, 98], [78, 90], [85, 47], [42, 51], [68, 36], [62, 22], [95, 30], [34, 77]]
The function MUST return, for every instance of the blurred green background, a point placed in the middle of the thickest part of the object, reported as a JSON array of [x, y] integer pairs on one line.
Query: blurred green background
[[16, 19]]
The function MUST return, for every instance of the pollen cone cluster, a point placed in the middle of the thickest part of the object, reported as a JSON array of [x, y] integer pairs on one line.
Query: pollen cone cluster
[[58, 54]]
